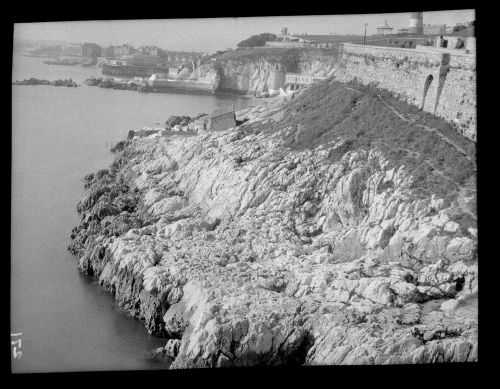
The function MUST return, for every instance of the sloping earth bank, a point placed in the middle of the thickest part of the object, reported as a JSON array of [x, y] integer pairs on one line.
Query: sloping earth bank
[[308, 235]]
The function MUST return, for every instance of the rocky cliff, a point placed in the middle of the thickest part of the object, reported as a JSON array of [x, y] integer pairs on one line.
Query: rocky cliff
[[292, 239], [249, 74]]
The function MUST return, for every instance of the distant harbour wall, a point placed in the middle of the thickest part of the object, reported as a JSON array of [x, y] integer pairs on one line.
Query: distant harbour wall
[[131, 70], [437, 82], [190, 86]]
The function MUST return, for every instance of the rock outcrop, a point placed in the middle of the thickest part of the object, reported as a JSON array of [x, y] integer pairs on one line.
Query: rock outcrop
[[241, 248], [254, 75], [37, 81], [93, 81], [251, 72]]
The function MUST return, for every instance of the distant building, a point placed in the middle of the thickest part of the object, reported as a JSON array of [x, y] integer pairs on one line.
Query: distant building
[[416, 23], [107, 52], [286, 44], [119, 51], [91, 50], [72, 50], [305, 40], [434, 29], [145, 60], [385, 30], [222, 119], [180, 57], [284, 31], [149, 50]]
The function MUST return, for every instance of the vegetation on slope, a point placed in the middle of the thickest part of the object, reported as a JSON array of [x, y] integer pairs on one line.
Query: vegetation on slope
[[257, 40], [327, 112]]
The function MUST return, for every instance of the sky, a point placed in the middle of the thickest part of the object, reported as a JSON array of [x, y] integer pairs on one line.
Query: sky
[[209, 35]]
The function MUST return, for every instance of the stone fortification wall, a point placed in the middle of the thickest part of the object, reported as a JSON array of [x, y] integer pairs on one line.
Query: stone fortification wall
[[440, 83], [457, 101]]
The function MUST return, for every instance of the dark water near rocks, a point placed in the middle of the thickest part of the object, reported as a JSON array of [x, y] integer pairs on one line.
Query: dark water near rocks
[[59, 134]]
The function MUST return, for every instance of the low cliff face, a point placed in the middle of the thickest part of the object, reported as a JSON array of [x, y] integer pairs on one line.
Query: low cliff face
[[205, 73], [246, 75], [278, 243]]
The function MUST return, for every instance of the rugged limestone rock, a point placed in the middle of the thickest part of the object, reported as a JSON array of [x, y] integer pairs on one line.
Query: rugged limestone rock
[[252, 73], [241, 250]]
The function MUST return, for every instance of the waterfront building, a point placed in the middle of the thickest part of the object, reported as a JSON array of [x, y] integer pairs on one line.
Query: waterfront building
[[222, 119]]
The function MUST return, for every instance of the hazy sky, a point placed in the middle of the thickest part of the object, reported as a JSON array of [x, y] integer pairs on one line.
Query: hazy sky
[[221, 33]]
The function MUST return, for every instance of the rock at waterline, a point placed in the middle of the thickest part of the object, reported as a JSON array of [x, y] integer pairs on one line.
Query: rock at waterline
[[35, 81]]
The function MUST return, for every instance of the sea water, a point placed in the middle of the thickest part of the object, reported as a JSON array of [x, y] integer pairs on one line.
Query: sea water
[[64, 319]]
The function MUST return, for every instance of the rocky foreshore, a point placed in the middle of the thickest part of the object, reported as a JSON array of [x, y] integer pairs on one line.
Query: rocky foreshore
[[279, 243], [122, 85], [36, 81]]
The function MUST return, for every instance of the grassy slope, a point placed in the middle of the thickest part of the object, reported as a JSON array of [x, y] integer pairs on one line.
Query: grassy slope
[[328, 111]]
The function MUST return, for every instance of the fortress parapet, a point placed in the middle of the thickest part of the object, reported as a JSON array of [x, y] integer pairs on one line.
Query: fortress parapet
[[442, 83]]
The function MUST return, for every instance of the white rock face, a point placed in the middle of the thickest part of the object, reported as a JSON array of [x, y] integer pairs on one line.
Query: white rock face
[[286, 257], [449, 305]]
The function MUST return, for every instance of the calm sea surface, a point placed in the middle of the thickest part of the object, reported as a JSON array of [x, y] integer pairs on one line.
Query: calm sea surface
[[59, 134]]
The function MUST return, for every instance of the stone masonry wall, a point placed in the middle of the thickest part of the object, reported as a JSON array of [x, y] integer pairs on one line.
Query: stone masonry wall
[[436, 82], [457, 102]]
